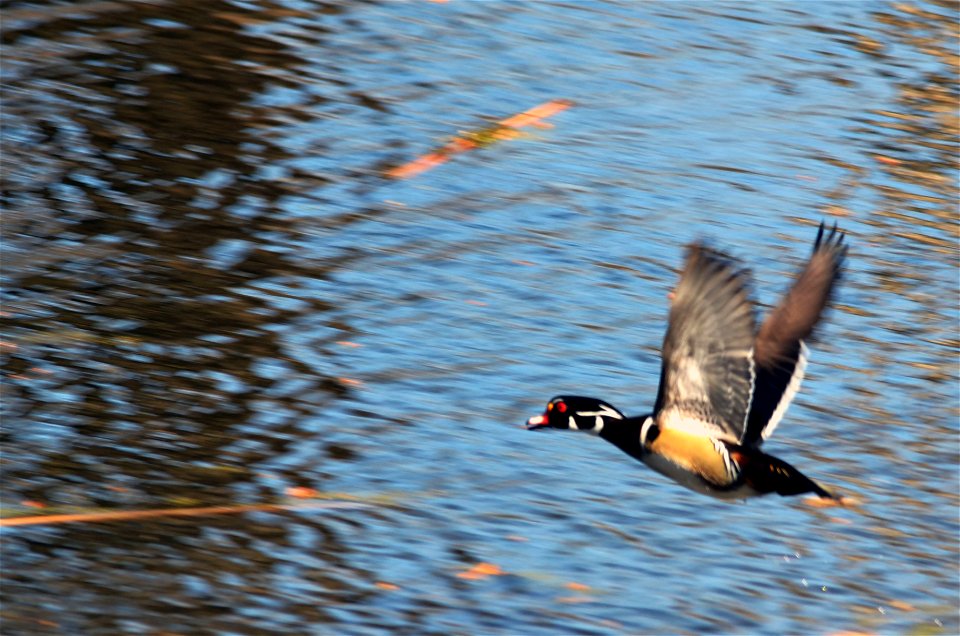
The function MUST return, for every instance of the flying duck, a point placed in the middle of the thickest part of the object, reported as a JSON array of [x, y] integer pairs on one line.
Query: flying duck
[[724, 384]]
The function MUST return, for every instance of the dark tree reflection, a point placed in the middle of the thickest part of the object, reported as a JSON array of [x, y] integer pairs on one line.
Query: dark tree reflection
[[148, 278]]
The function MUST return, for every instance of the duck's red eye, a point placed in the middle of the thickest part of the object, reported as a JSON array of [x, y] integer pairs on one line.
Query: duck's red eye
[[561, 407]]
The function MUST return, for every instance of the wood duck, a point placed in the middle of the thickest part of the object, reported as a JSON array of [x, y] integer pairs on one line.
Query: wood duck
[[724, 385]]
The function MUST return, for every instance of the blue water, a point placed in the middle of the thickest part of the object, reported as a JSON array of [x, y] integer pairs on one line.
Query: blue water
[[228, 299]]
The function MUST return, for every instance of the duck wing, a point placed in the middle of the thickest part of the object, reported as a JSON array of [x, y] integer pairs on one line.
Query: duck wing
[[779, 352], [706, 377]]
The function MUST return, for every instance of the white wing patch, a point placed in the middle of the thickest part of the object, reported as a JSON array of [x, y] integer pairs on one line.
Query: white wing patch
[[679, 420], [753, 387], [689, 378], [693, 382], [795, 380]]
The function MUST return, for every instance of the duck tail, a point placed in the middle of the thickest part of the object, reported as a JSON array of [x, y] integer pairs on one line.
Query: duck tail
[[767, 474]]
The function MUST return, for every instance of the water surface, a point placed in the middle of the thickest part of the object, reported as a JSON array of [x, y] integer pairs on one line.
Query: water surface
[[213, 295]]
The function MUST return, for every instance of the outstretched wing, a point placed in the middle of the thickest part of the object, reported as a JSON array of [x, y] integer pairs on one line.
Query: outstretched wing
[[779, 353], [706, 379]]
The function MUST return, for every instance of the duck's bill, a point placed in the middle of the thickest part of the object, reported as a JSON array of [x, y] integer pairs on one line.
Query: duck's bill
[[537, 421]]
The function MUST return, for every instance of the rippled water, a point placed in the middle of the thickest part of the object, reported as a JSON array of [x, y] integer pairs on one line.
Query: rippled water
[[212, 295]]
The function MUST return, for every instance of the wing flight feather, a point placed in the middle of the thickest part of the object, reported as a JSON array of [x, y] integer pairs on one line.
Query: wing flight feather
[[707, 372], [779, 351]]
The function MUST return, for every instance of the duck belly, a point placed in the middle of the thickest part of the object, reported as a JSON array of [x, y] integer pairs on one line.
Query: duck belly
[[692, 480]]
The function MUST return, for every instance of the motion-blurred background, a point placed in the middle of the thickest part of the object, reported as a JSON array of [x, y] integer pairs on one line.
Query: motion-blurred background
[[214, 297]]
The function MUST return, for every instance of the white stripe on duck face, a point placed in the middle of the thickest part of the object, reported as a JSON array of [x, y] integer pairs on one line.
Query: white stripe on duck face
[[605, 411]]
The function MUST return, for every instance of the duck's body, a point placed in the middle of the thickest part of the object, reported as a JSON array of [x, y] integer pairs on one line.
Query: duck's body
[[724, 385]]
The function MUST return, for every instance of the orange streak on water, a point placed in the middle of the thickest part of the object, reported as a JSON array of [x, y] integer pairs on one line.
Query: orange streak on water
[[130, 515], [532, 117]]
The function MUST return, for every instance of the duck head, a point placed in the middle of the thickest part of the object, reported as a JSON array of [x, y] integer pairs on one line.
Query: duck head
[[576, 413]]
